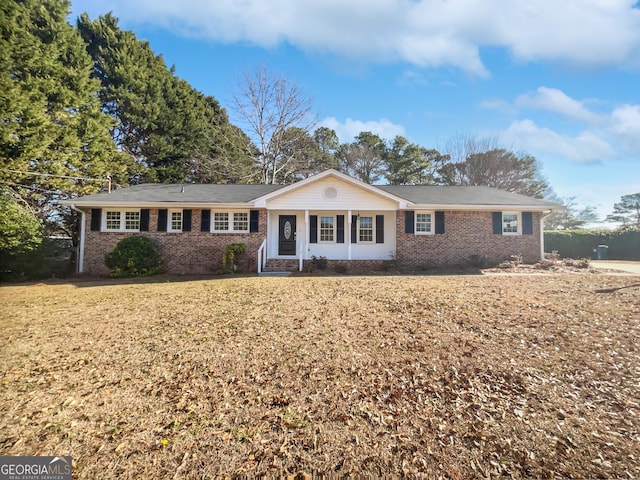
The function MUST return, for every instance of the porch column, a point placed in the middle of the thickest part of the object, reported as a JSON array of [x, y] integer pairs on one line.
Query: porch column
[[307, 235], [348, 235]]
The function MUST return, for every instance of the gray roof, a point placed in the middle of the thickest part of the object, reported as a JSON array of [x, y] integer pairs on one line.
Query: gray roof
[[153, 193], [462, 195], [206, 194]]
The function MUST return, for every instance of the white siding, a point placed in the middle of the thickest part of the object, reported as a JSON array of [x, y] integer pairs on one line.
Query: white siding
[[347, 197], [335, 251]]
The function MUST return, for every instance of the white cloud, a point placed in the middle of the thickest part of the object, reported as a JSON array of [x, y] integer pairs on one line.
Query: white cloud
[[554, 100], [625, 123], [350, 128], [604, 135], [585, 147], [425, 33]]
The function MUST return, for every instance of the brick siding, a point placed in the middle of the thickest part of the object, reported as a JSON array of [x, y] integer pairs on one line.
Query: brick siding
[[193, 252], [468, 237]]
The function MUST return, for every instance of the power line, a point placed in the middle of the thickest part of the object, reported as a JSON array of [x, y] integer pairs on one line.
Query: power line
[[57, 176]]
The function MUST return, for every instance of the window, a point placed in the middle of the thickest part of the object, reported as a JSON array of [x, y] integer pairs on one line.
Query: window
[[424, 223], [241, 222], [113, 220], [510, 223], [131, 220], [326, 229], [366, 229], [230, 222], [121, 221], [175, 221], [221, 221]]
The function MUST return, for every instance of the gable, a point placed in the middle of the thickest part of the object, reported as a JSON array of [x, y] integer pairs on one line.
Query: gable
[[331, 193]]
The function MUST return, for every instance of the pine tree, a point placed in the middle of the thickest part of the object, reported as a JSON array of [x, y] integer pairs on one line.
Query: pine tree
[[51, 124]]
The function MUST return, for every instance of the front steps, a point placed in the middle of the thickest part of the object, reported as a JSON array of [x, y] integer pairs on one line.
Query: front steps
[[277, 267]]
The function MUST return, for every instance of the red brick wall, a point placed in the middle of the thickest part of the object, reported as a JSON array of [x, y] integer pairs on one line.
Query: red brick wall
[[466, 234], [191, 252]]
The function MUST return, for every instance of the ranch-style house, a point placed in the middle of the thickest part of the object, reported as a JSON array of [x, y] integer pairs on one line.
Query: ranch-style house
[[329, 215]]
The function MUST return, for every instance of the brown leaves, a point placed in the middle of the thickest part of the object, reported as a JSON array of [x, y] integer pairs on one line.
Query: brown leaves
[[444, 377]]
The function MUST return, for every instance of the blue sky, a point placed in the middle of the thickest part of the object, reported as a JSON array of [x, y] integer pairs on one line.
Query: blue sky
[[557, 80]]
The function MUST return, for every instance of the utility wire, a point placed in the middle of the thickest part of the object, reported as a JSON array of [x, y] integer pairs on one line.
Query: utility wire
[[55, 176]]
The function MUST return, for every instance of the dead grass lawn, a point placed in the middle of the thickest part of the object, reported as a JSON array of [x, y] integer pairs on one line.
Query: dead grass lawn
[[453, 377]]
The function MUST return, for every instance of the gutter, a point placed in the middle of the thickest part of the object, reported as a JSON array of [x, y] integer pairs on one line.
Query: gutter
[[80, 259]]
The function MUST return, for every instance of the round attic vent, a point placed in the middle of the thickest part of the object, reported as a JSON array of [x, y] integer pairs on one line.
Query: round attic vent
[[330, 193]]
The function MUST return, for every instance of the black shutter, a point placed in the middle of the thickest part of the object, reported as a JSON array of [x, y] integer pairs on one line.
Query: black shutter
[[379, 228], [527, 223], [144, 220], [409, 224], [254, 221], [313, 229], [354, 229], [497, 223], [186, 220], [162, 220], [339, 228], [205, 220], [439, 223], [96, 218]]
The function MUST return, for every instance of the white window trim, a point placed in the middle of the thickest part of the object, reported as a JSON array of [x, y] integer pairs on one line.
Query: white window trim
[[334, 230], [373, 229], [230, 221], [518, 219], [122, 211], [170, 228], [433, 221]]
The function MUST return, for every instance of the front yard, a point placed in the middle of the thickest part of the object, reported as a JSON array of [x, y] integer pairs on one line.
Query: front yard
[[453, 377]]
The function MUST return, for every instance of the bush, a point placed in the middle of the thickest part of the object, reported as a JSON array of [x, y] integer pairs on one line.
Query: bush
[[53, 257], [133, 257], [623, 244], [230, 257]]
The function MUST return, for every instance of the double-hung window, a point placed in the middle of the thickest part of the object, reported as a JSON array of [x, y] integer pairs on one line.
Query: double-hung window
[[221, 222], [230, 222], [175, 221], [121, 221], [327, 229], [366, 230], [424, 223], [510, 223], [241, 222]]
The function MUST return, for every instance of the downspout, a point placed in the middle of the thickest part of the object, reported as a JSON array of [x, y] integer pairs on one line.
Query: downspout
[[80, 260]]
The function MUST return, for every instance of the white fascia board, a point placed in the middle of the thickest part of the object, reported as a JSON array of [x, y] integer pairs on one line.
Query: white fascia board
[[68, 203], [261, 202], [490, 208]]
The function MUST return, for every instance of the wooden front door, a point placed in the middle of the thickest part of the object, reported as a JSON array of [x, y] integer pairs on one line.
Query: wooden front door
[[287, 235]]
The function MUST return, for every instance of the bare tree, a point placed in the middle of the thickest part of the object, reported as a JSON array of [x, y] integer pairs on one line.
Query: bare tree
[[272, 109], [461, 145]]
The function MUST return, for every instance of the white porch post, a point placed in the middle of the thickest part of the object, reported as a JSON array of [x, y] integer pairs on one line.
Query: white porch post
[[307, 235], [348, 235]]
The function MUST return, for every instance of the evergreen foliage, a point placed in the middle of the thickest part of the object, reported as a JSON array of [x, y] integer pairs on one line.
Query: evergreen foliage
[[174, 132], [134, 256], [20, 230], [627, 210], [623, 244], [230, 257], [51, 120]]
